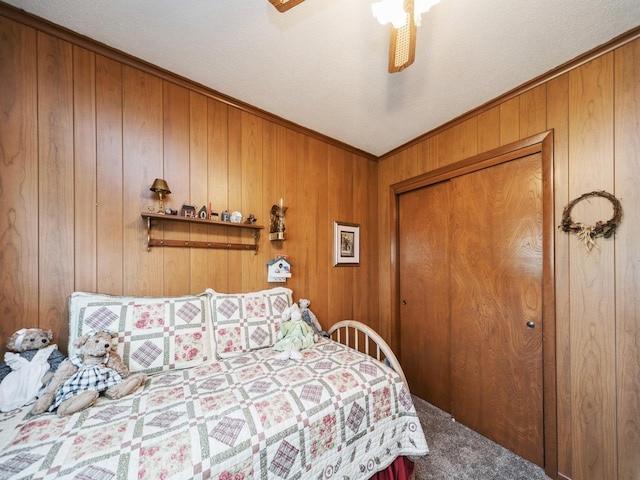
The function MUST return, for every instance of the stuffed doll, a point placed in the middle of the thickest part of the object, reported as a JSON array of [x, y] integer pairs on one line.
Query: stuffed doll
[[294, 335], [27, 367], [310, 319], [79, 381]]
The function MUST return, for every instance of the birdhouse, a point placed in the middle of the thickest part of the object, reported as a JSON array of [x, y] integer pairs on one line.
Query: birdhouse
[[278, 270]]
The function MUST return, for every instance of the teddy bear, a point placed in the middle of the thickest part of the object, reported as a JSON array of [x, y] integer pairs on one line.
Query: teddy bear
[[30, 362], [310, 319], [78, 382], [294, 335]]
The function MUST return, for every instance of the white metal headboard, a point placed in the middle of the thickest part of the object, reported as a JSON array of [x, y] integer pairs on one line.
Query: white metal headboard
[[340, 332]]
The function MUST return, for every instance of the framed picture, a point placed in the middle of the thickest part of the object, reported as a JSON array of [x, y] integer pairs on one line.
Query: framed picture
[[346, 244]]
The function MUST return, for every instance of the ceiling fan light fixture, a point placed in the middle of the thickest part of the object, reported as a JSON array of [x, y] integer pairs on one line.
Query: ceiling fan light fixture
[[402, 47], [284, 5], [396, 12], [390, 11]]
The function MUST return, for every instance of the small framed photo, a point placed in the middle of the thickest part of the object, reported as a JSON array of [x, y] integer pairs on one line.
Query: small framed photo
[[346, 244]]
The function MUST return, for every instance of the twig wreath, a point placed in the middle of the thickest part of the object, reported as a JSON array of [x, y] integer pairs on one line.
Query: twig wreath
[[588, 233]]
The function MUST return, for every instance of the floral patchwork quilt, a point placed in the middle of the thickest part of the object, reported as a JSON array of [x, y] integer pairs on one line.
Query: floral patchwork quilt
[[337, 413]]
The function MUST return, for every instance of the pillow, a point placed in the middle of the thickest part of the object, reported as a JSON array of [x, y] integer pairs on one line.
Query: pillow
[[247, 321], [154, 333]]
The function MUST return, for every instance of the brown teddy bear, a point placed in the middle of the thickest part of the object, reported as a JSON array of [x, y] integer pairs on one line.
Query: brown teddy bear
[[79, 381], [28, 365]]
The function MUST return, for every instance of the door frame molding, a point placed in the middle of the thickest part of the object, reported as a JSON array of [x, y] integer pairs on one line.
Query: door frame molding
[[541, 143]]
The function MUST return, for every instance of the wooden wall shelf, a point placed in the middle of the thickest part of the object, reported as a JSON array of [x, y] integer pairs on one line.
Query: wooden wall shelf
[[159, 242]]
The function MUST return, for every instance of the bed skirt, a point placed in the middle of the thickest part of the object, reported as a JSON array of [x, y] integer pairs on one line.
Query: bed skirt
[[400, 469]]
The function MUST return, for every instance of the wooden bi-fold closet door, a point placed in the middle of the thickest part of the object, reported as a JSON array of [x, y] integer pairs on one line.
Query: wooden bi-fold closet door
[[470, 261]]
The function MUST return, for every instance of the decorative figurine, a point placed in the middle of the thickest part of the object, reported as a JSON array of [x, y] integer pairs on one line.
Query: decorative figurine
[[236, 217], [188, 211], [277, 228]]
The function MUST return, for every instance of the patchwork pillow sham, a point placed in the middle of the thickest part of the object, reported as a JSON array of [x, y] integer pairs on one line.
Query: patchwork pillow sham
[[247, 321], [154, 333]]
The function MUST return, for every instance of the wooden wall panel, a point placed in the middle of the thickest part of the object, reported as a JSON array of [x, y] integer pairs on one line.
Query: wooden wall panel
[[592, 315], [306, 202], [290, 146], [340, 202], [386, 290], [142, 162], [319, 278], [253, 268], [533, 108], [364, 189], [218, 172], [236, 135], [446, 151], [510, 121], [427, 155], [55, 212], [109, 172], [627, 261], [198, 174], [489, 130], [310, 225], [270, 158], [558, 120], [84, 147], [19, 179], [465, 136], [406, 163], [270, 190], [176, 113]]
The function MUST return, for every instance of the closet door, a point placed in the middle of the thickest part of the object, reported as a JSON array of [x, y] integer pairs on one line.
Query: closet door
[[496, 304], [424, 293]]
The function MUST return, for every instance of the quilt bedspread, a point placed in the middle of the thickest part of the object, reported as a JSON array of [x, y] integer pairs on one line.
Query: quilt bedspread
[[337, 413]]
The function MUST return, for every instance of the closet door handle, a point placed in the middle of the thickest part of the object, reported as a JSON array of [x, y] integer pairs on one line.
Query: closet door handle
[[404, 302], [531, 324]]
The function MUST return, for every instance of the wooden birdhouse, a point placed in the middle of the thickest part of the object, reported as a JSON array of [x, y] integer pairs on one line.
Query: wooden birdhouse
[[278, 269]]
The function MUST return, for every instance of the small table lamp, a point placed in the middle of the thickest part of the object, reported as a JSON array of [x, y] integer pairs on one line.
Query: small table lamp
[[161, 188]]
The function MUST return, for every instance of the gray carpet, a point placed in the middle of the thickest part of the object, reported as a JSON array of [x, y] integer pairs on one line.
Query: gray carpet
[[458, 453]]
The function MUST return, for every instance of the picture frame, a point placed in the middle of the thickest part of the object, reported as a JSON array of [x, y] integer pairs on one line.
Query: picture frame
[[346, 244]]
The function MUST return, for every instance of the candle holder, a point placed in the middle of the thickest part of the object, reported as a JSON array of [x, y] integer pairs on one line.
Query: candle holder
[[277, 227]]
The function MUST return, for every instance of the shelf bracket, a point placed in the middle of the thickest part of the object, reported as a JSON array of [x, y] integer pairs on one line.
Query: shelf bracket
[[148, 234]]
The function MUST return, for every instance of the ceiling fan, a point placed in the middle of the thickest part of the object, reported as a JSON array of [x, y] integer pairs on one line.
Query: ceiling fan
[[404, 16]]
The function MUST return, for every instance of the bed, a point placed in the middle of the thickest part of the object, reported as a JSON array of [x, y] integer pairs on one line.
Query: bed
[[218, 404]]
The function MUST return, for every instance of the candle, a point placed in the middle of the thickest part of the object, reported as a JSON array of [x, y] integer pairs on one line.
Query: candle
[[281, 202]]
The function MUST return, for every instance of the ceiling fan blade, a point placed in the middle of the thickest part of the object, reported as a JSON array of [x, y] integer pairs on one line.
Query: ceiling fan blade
[[284, 5], [402, 48]]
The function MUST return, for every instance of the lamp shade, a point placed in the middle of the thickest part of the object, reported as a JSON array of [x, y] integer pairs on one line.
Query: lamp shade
[[160, 186]]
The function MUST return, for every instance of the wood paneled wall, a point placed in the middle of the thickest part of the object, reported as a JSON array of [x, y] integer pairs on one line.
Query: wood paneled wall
[[594, 110], [83, 133]]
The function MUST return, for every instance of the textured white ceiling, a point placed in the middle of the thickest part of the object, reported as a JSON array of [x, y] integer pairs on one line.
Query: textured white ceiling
[[323, 64]]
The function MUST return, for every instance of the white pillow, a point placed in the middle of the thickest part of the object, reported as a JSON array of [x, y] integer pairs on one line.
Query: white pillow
[[154, 333], [247, 321]]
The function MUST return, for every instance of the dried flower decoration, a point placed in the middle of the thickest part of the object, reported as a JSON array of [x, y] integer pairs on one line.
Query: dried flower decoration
[[588, 233]]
